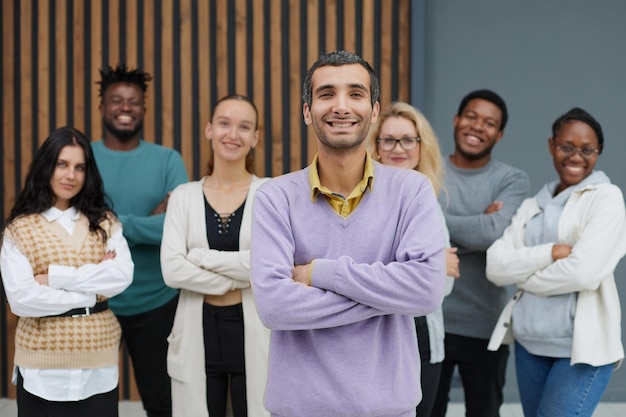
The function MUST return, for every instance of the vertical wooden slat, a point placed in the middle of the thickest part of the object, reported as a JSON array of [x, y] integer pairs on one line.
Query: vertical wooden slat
[[241, 82], [204, 50], [349, 25], [221, 45], [386, 40], [295, 87], [78, 65], [404, 51], [276, 80], [330, 26], [112, 33], [25, 81], [96, 64], [148, 66], [131, 31], [186, 105], [368, 31], [8, 151], [167, 86], [313, 51], [258, 66], [60, 63]]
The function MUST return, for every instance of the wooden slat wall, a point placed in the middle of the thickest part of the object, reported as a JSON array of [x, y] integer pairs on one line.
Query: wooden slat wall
[[197, 52]]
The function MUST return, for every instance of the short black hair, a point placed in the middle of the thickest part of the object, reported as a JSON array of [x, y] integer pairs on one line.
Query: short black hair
[[122, 74], [580, 115], [337, 59], [490, 96]]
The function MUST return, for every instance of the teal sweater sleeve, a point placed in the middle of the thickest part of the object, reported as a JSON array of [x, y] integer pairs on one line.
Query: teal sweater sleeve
[[148, 229]]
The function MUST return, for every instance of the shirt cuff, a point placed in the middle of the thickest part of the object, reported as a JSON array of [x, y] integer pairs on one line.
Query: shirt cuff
[[60, 277], [310, 277]]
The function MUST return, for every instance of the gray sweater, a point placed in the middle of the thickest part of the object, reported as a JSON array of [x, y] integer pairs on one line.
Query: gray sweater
[[473, 307]]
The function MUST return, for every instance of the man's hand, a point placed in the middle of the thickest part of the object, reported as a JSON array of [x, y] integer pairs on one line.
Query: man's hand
[[301, 274], [560, 252], [162, 206], [494, 207], [452, 263]]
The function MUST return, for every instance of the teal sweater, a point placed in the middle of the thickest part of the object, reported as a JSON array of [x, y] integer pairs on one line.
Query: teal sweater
[[136, 181]]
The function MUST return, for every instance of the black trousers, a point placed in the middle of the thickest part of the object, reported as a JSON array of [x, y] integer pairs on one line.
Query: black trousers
[[482, 372], [224, 359], [430, 372], [145, 336], [100, 405]]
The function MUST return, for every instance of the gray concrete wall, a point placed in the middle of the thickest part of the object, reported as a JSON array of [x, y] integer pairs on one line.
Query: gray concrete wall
[[544, 57]]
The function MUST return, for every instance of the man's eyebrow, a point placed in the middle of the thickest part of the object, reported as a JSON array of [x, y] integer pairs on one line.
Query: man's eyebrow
[[331, 86]]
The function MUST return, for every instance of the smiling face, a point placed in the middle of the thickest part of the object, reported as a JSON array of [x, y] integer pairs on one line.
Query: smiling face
[[399, 127], [68, 177], [123, 110], [341, 110], [477, 130], [232, 130], [573, 168]]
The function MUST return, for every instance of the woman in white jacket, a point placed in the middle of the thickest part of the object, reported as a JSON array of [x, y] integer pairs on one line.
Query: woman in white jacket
[[561, 250], [218, 347]]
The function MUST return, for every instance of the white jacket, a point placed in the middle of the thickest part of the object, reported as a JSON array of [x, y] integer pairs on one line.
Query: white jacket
[[593, 222], [189, 264]]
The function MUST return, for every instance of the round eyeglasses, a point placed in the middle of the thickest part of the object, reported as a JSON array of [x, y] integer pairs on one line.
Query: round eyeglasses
[[568, 150], [387, 144]]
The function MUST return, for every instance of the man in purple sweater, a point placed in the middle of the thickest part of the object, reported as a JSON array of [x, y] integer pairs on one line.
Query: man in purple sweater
[[344, 253]]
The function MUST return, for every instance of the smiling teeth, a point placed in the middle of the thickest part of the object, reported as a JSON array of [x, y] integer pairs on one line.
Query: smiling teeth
[[124, 118], [342, 124]]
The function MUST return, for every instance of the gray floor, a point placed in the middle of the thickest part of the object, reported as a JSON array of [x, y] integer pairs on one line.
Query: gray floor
[[133, 409]]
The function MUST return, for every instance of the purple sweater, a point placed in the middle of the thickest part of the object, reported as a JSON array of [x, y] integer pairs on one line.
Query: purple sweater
[[346, 346]]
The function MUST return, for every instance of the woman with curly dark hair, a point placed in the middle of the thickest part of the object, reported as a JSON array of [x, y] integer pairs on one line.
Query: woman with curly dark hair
[[63, 254]]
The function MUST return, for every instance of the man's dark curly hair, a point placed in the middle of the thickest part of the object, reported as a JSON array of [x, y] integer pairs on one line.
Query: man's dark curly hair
[[122, 74]]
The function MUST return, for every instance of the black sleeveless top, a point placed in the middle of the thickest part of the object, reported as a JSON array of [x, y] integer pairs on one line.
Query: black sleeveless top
[[222, 229]]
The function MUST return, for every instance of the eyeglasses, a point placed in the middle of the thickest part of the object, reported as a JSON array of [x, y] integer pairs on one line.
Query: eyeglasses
[[387, 144], [568, 150]]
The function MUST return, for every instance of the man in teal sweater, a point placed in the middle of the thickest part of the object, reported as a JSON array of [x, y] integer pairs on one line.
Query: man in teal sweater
[[138, 177]]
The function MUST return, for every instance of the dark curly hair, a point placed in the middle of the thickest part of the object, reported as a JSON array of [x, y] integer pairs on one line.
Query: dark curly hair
[[122, 74], [37, 195]]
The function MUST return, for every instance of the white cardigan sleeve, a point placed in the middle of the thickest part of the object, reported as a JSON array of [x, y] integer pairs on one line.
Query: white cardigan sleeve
[[598, 243], [509, 260], [183, 231]]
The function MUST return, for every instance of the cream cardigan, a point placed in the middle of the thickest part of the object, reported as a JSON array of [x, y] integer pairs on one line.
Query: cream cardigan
[[593, 222], [189, 264]]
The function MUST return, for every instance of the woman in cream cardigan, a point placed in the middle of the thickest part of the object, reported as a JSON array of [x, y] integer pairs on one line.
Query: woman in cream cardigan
[[561, 251], [218, 346]]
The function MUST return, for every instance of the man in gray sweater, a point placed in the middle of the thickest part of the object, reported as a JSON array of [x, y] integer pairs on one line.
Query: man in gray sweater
[[482, 196]]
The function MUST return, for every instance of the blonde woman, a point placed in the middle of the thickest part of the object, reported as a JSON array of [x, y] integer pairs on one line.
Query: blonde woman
[[404, 138], [218, 347]]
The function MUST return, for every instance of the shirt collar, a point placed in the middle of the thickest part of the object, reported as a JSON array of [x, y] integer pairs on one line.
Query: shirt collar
[[53, 214], [367, 181]]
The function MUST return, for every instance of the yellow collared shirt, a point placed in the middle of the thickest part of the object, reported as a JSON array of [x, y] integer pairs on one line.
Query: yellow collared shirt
[[340, 204]]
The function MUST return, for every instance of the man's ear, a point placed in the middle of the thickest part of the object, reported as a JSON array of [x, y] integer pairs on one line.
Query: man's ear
[[306, 112]]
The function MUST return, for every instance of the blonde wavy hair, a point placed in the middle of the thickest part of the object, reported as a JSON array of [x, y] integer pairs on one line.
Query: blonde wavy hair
[[431, 162]]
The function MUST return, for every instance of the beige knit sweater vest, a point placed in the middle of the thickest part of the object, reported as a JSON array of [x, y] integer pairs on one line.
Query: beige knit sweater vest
[[63, 342]]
